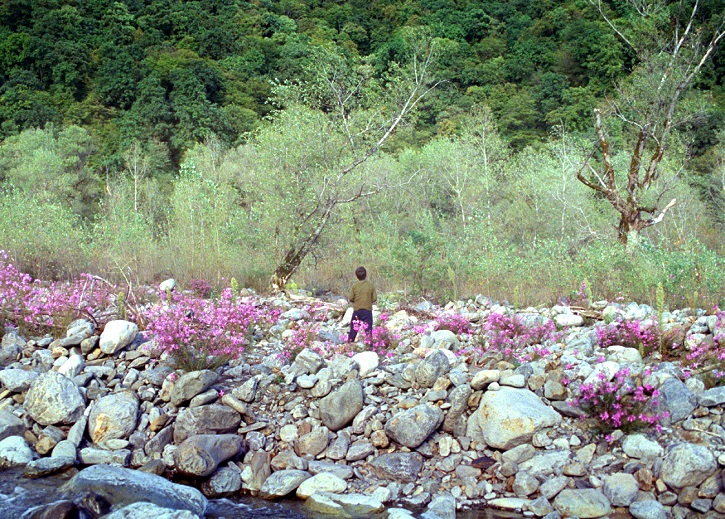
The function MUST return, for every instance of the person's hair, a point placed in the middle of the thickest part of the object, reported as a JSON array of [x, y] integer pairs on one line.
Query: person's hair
[[361, 273]]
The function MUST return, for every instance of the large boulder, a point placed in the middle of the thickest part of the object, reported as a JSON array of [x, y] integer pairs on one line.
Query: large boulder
[[677, 399], [398, 466], [687, 464], [411, 427], [143, 509], [54, 399], [17, 380], [191, 384], [201, 455], [340, 407], [283, 482], [205, 419], [121, 487], [510, 416], [431, 368], [585, 503], [117, 335], [114, 416]]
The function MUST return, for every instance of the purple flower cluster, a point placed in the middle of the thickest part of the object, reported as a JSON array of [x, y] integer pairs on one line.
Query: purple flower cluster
[[631, 334], [456, 323], [200, 331], [201, 287], [302, 337], [622, 403], [380, 340], [510, 336], [39, 307]]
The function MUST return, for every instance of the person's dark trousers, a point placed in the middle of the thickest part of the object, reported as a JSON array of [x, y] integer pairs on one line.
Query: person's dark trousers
[[365, 316]]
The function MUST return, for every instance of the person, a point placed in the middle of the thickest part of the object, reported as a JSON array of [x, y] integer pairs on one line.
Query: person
[[362, 297]]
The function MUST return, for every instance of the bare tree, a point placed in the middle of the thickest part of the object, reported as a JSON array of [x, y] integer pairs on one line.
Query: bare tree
[[672, 43]]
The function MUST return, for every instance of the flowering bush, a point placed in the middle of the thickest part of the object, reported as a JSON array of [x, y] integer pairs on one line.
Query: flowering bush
[[621, 403], [454, 322], [510, 336], [201, 287], [202, 334], [631, 334], [380, 339], [302, 337], [38, 308]]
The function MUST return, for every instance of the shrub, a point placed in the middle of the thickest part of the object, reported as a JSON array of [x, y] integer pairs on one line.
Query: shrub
[[510, 336], [631, 334], [456, 323], [621, 403], [202, 334]]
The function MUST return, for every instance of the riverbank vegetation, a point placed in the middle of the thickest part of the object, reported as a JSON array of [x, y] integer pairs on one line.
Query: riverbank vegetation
[[438, 144]]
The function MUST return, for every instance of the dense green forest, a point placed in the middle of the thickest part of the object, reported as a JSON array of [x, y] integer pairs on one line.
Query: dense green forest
[[437, 141]]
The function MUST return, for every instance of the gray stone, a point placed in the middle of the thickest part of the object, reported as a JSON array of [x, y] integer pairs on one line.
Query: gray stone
[[319, 467], [247, 391], [552, 486], [308, 362], [117, 335], [122, 487], [114, 416], [72, 367], [257, 471], [677, 399], [585, 503], [485, 377], [540, 506], [162, 438], [432, 368], [647, 509], [458, 398], [545, 463], [351, 505], [54, 399], [200, 455], [205, 419], [442, 506], [313, 443], [282, 483], [398, 466], [46, 466], [525, 484], [712, 397], [14, 452], [17, 380], [360, 450], [519, 454], [367, 361], [509, 417], [339, 408], [143, 509], [686, 464], [93, 456], [444, 339], [10, 347], [410, 428], [10, 425], [621, 489], [225, 481], [191, 384], [323, 482], [638, 446], [65, 449]]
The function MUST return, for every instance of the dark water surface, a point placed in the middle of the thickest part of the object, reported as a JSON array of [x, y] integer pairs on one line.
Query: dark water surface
[[18, 495]]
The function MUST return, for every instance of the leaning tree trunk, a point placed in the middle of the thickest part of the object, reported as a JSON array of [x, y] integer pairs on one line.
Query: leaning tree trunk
[[297, 252]]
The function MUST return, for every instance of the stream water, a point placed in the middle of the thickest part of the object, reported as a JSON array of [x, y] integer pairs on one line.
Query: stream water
[[18, 495]]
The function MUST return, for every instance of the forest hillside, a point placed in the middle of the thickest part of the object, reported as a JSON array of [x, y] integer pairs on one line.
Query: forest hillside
[[524, 150]]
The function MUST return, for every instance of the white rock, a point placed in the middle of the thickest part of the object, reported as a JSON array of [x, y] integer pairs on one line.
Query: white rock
[[117, 335], [367, 361]]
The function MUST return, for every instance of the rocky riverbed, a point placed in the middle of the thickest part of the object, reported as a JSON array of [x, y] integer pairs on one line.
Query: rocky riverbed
[[430, 426]]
